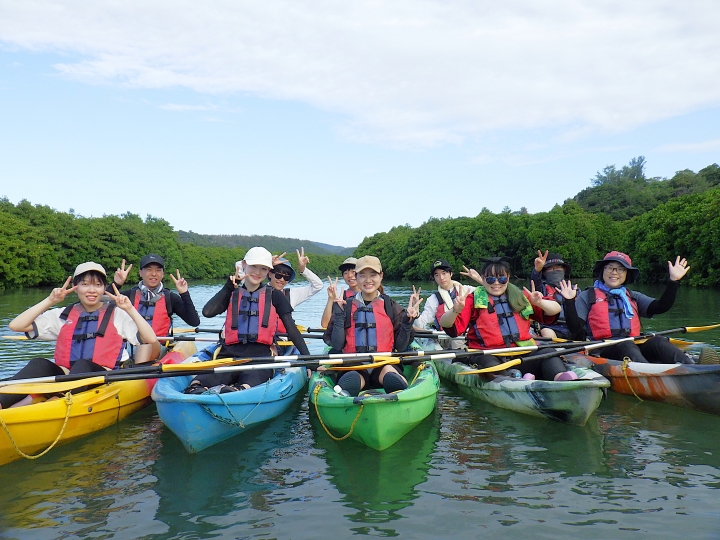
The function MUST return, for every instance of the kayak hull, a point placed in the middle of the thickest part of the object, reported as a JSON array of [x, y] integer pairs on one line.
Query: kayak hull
[[33, 428], [691, 386], [569, 402], [374, 418], [200, 421]]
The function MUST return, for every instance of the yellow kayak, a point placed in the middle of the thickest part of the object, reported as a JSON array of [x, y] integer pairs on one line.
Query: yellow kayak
[[32, 430]]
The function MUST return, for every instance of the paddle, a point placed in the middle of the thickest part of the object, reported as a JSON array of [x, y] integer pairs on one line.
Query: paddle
[[592, 346]]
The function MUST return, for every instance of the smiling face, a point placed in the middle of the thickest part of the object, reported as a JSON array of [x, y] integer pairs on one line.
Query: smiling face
[[280, 282], [90, 289], [497, 288], [152, 275], [443, 278], [369, 282], [614, 274], [254, 275], [350, 278]]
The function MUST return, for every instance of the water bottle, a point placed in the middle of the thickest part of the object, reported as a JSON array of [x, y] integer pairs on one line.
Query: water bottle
[[339, 390]]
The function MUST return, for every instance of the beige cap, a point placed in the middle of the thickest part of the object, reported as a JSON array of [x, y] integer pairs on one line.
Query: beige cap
[[350, 261], [259, 256], [87, 267], [368, 261]]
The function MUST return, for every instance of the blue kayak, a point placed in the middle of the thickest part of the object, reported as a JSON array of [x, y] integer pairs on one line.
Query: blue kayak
[[200, 421]]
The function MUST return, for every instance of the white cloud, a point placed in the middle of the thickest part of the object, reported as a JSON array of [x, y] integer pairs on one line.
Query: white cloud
[[705, 146], [411, 72]]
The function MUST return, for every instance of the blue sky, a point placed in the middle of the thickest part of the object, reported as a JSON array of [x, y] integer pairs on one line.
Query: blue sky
[[331, 121]]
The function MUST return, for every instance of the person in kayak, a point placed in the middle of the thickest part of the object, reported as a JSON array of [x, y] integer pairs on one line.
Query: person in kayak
[[253, 312], [90, 334], [347, 271], [549, 270], [154, 302], [370, 322], [280, 276], [610, 310], [442, 300], [497, 315]]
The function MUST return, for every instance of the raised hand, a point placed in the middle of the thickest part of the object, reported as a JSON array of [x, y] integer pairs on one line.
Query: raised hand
[[567, 289], [58, 295], [413, 309], [238, 277], [121, 301], [459, 302], [535, 296], [679, 269], [180, 283], [121, 274], [303, 261], [277, 259], [540, 260], [335, 294], [472, 274]]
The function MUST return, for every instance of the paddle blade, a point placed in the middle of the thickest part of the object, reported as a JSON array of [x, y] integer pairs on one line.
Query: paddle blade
[[50, 388], [191, 366], [16, 338], [492, 369], [692, 329]]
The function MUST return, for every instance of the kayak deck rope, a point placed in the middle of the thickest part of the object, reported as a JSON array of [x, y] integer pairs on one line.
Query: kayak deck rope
[[234, 421], [316, 390], [625, 363], [68, 404], [417, 372]]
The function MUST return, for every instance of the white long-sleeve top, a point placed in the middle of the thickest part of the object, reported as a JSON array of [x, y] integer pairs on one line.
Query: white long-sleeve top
[[299, 294]]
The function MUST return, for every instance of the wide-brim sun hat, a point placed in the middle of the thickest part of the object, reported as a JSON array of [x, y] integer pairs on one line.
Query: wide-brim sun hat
[[555, 259], [259, 256], [285, 264], [622, 258]]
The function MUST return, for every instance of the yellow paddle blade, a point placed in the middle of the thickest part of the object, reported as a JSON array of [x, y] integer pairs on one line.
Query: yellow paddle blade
[[383, 361], [692, 329], [492, 369], [190, 366], [16, 338], [50, 388], [284, 343], [301, 328]]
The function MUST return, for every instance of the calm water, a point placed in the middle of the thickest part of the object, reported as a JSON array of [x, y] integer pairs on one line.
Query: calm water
[[470, 470]]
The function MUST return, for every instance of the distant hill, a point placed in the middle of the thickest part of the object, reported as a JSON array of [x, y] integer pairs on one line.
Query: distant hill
[[273, 243]]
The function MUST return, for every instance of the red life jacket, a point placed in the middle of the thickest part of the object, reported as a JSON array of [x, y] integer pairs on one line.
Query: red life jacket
[[349, 293], [369, 328], [606, 320], [280, 326], [89, 336], [552, 293], [491, 334], [158, 313], [251, 317]]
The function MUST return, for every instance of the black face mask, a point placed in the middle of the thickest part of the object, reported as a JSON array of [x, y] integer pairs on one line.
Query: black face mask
[[554, 277]]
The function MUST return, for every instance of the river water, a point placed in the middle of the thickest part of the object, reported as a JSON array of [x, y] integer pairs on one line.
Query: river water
[[636, 470]]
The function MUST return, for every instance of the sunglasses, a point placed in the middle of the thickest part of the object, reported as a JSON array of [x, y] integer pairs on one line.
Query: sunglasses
[[280, 275], [490, 280]]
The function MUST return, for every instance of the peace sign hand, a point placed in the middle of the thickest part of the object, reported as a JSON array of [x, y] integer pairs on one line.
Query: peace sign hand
[[180, 283], [334, 293], [238, 277], [58, 295], [472, 274], [303, 261], [276, 259], [459, 302], [121, 301], [535, 296], [121, 274], [540, 260], [413, 309]]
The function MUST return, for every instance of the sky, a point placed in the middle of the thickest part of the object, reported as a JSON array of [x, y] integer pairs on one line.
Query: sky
[[331, 121]]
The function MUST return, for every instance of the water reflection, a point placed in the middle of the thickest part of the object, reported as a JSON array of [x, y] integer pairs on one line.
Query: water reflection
[[378, 484]]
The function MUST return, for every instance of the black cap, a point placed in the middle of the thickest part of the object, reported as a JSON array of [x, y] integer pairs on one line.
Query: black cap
[[555, 259], [150, 259], [440, 263]]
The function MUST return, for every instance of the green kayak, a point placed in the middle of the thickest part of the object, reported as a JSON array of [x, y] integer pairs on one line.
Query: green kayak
[[570, 402], [375, 418]]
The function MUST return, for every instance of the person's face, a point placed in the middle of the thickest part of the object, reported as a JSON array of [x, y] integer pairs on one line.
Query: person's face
[[369, 281], [255, 274], [350, 277], [152, 275], [443, 278], [90, 290], [496, 288], [614, 274], [554, 267], [279, 277]]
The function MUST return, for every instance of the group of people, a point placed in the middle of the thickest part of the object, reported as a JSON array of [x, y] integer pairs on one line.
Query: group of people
[[92, 334]]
